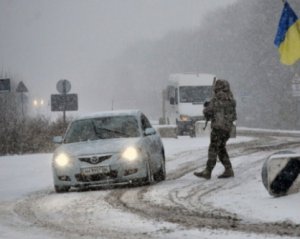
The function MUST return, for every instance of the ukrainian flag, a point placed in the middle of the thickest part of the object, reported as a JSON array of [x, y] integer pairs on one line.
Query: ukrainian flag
[[287, 38]]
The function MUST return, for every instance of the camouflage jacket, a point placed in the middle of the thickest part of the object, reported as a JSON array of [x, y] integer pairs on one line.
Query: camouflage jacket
[[222, 107]]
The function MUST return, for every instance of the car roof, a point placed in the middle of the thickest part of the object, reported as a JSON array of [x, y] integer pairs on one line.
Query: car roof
[[100, 114]]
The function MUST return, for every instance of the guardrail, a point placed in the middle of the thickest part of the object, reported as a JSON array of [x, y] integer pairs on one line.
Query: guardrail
[[266, 132], [170, 131]]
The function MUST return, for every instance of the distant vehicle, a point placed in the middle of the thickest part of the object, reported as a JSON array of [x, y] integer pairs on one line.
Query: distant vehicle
[[108, 148], [186, 94]]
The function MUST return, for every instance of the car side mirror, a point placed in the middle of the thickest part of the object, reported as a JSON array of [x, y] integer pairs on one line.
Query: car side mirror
[[150, 131], [57, 139]]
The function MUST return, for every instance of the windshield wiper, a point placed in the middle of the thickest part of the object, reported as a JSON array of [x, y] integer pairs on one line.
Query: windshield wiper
[[114, 131]]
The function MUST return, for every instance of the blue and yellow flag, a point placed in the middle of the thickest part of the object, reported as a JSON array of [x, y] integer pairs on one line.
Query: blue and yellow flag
[[287, 38]]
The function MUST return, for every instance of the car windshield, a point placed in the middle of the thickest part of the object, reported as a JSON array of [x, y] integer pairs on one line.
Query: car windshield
[[102, 128], [190, 94]]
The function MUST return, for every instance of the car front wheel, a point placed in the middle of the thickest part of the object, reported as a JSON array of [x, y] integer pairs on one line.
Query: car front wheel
[[150, 176], [160, 175]]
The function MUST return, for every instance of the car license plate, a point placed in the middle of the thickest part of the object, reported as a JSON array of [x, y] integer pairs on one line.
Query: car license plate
[[95, 170]]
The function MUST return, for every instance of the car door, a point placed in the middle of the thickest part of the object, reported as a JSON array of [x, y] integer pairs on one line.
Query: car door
[[153, 144]]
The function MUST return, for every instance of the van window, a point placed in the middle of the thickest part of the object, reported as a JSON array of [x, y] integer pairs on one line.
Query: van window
[[171, 92]]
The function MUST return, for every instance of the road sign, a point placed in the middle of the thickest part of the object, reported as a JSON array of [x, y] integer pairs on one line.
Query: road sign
[[63, 86], [64, 102], [21, 88], [4, 85]]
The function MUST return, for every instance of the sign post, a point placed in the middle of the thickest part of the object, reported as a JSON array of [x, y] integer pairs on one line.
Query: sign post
[[64, 101], [63, 87], [21, 88]]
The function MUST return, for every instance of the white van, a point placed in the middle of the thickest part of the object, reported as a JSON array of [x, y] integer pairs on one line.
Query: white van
[[186, 94]]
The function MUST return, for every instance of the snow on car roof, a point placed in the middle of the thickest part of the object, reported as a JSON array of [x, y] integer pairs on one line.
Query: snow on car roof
[[134, 112]]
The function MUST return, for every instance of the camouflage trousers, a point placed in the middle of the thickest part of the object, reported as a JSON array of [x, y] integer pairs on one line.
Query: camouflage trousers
[[217, 148]]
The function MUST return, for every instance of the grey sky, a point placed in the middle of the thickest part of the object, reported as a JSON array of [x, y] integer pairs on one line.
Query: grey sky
[[43, 41]]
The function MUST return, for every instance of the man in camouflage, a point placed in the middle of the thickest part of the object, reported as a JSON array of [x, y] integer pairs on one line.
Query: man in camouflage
[[222, 113]]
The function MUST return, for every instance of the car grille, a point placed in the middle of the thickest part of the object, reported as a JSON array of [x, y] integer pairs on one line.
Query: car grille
[[96, 177], [95, 159]]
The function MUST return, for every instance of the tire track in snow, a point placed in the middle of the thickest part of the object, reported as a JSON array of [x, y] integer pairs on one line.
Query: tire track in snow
[[183, 210], [73, 220]]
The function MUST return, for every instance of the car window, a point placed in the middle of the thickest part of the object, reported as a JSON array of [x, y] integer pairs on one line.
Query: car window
[[102, 128]]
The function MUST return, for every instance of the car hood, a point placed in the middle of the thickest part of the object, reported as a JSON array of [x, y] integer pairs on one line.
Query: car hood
[[97, 146]]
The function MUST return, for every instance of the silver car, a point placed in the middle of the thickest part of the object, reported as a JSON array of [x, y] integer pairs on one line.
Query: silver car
[[108, 148]]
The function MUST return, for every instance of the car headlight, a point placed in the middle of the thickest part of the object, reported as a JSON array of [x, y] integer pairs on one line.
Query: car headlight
[[62, 160], [130, 153], [185, 118]]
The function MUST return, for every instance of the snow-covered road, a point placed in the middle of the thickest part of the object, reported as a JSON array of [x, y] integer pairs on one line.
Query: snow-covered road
[[183, 206]]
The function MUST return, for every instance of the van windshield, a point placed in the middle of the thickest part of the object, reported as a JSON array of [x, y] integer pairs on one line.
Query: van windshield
[[193, 94]]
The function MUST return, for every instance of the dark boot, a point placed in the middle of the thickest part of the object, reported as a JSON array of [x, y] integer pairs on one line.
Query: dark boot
[[206, 173], [227, 173]]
